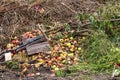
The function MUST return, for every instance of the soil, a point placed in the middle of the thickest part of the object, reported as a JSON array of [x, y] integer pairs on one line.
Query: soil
[[55, 11], [16, 21], [46, 75], [58, 12]]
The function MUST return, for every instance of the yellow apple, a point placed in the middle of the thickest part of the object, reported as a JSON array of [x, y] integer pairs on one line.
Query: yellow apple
[[79, 49], [56, 69], [68, 44], [72, 49], [70, 55], [71, 38]]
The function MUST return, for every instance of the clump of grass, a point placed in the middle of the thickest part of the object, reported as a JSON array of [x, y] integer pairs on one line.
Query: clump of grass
[[12, 65], [101, 52]]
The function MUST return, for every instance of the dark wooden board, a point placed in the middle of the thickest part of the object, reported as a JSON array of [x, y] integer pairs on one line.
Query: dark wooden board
[[38, 47]]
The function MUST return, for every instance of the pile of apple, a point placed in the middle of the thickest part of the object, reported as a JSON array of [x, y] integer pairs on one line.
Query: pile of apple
[[32, 34], [16, 42], [65, 52]]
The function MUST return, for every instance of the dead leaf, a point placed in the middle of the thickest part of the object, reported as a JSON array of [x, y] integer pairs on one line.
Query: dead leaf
[[23, 71], [31, 75], [37, 65]]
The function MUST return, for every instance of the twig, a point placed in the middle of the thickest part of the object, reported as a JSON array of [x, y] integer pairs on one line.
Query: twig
[[14, 29], [81, 25], [69, 8], [55, 29], [89, 23], [112, 20], [42, 31]]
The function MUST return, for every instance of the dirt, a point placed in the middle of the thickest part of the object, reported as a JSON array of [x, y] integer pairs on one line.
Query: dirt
[[59, 12], [18, 19], [46, 75], [55, 11]]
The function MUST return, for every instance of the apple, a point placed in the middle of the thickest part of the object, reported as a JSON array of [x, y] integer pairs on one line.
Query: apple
[[79, 49], [56, 48], [70, 55], [72, 49], [30, 35], [68, 44], [56, 69], [49, 63], [66, 40], [63, 61], [63, 55], [65, 33], [63, 47], [61, 40], [53, 66], [9, 46], [71, 38], [72, 46], [59, 58], [83, 38], [15, 37], [69, 62], [14, 41], [75, 42]]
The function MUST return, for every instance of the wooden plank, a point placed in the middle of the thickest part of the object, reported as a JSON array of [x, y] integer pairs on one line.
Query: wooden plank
[[37, 48]]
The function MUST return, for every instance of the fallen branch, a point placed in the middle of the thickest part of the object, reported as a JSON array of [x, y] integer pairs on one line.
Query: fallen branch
[[81, 25], [89, 23], [56, 29]]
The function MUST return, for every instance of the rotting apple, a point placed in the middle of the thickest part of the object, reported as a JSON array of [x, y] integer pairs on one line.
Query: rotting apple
[[79, 49], [68, 44], [59, 58], [70, 55]]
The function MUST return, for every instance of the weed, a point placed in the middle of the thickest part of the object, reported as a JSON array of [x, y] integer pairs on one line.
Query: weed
[[101, 52]]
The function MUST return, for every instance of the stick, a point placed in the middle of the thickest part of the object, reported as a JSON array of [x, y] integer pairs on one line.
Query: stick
[[42, 31], [89, 23], [69, 8]]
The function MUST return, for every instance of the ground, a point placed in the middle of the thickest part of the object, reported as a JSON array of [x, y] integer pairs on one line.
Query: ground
[[56, 11]]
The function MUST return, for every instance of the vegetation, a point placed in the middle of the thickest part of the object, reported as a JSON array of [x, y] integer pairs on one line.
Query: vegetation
[[102, 49], [92, 45]]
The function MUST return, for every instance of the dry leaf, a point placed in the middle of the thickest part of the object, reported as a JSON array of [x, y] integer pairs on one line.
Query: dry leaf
[[31, 74], [23, 71], [37, 65]]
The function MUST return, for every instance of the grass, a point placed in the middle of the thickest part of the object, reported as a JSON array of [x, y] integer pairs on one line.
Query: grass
[[99, 57]]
